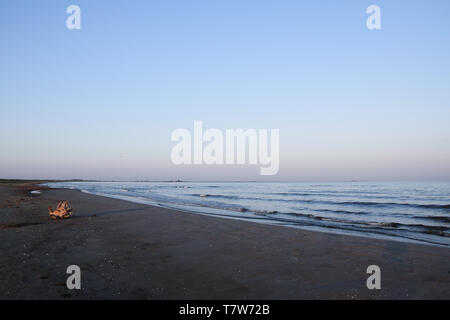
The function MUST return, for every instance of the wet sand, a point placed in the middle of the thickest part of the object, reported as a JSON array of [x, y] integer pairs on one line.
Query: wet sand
[[132, 251]]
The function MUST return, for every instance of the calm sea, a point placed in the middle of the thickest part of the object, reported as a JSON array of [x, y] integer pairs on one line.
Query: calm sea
[[418, 212]]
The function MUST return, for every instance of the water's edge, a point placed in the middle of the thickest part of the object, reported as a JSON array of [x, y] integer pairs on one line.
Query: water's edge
[[435, 233]]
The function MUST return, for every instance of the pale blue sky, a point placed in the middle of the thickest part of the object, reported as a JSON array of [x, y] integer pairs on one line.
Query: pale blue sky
[[101, 102]]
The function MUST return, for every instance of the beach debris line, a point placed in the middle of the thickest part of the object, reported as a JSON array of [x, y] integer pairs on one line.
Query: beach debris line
[[63, 211]]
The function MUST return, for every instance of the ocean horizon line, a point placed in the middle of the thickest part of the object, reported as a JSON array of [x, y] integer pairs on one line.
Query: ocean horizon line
[[226, 181]]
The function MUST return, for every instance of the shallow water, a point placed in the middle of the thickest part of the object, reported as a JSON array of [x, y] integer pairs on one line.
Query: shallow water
[[418, 212]]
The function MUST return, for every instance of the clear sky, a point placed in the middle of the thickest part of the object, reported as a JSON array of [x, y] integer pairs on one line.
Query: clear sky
[[101, 102]]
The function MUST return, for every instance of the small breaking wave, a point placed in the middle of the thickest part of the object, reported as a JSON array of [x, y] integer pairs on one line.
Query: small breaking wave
[[435, 218]]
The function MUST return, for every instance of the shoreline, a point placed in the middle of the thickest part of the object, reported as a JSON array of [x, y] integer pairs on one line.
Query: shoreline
[[419, 228], [270, 223], [128, 250]]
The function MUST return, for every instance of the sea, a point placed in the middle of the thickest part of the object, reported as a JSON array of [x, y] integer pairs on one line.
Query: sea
[[403, 211]]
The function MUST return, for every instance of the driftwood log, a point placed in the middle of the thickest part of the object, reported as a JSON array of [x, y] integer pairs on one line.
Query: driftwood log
[[63, 211]]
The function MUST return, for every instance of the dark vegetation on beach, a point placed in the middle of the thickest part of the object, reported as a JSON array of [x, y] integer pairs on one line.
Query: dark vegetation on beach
[[16, 181]]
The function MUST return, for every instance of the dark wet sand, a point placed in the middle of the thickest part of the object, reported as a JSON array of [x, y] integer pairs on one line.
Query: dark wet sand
[[132, 251]]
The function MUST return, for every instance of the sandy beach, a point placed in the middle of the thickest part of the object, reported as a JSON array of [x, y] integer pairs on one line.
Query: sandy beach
[[132, 251]]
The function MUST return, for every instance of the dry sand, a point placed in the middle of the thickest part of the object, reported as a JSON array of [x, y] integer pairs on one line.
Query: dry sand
[[133, 251]]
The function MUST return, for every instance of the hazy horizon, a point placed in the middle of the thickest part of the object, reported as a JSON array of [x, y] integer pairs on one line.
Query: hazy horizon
[[227, 181], [100, 103]]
